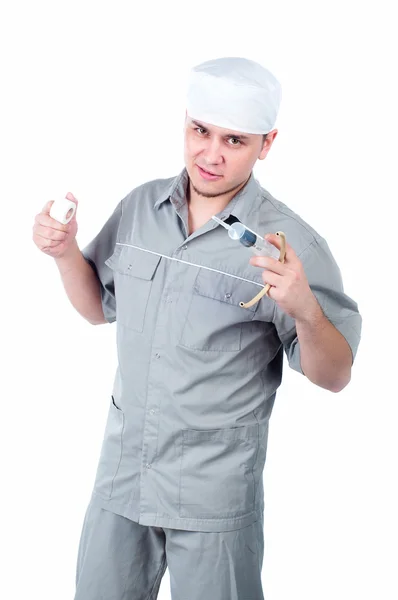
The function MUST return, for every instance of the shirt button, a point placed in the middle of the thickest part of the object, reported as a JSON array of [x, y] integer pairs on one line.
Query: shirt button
[[148, 466], [227, 296], [157, 355], [185, 247], [152, 411]]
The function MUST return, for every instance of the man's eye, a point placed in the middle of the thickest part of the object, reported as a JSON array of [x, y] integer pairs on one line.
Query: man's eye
[[200, 130], [236, 140]]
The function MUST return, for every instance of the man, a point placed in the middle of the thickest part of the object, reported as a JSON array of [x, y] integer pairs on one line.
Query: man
[[179, 481]]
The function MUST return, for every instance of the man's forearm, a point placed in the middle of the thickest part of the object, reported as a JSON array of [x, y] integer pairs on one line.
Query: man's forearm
[[326, 357], [81, 285]]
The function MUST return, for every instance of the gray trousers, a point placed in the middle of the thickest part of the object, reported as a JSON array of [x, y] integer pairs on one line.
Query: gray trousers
[[118, 559]]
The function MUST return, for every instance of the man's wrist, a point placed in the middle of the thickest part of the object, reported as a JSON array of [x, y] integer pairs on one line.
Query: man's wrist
[[312, 315], [68, 259]]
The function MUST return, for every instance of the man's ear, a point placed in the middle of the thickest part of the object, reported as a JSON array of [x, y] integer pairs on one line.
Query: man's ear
[[268, 143], [264, 150]]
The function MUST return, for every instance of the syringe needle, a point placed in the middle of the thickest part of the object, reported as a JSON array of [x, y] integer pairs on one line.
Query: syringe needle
[[221, 222]]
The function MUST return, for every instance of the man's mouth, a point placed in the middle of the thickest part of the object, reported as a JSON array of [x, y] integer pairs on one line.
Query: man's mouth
[[208, 174]]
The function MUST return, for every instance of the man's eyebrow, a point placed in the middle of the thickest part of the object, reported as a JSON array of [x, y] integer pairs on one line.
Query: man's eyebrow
[[237, 136]]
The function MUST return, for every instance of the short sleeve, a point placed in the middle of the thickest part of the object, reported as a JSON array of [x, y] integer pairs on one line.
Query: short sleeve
[[97, 252], [325, 280]]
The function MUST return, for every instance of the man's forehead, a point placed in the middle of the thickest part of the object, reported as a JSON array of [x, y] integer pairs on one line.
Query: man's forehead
[[222, 130]]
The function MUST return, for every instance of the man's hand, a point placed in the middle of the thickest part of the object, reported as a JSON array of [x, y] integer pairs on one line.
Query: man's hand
[[50, 236], [325, 354], [291, 290]]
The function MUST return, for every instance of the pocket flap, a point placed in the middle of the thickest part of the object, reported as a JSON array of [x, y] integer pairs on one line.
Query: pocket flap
[[226, 288], [134, 262]]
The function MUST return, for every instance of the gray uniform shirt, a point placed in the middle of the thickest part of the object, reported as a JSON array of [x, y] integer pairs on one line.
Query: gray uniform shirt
[[186, 436]]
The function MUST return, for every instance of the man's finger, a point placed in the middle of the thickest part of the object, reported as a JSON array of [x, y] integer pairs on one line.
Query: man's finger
[[266, 262], [47, 221], [276, 240]]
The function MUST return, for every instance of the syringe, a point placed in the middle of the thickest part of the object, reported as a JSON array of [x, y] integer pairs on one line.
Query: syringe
[[258, 245]]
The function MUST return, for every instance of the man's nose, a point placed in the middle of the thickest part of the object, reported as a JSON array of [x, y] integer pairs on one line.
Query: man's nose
[[213, 152]]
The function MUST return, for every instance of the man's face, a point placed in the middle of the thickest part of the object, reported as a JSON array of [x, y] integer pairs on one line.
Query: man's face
[[227, 154]]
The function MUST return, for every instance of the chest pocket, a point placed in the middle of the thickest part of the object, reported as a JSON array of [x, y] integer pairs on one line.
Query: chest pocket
[[134, 270], [215, 320]]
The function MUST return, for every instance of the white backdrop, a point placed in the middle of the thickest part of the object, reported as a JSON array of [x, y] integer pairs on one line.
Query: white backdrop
[[92, 102]]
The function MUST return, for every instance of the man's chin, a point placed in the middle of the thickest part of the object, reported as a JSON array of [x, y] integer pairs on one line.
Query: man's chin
[[214, 188], [209, 192]]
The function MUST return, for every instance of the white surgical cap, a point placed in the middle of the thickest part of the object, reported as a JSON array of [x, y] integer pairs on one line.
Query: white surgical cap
[[234, 93]]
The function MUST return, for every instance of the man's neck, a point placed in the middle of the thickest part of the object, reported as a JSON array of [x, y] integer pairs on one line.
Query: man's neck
[[201, 208]]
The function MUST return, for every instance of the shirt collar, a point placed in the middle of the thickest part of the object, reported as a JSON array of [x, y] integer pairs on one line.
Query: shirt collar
[[175, 191], [241, 205], [244, 202]]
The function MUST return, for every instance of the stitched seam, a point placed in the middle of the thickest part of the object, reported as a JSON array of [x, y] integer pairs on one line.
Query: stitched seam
[[146, 393], [121, 454], [234, 83], [180, 486], [192, 264], [111, 502], [270, 200], [307, 248], [156, 585], [255, 461]]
